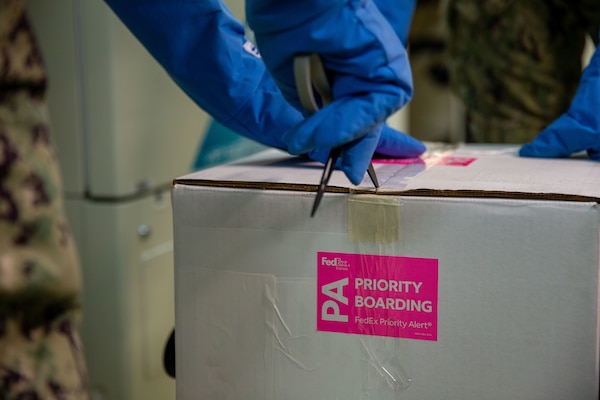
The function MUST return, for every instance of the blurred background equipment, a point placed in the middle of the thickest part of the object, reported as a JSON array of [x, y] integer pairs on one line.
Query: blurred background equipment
[[435, 113]]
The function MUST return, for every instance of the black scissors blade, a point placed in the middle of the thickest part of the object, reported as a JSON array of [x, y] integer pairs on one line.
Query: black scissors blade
[[327, 171], [373, 175]]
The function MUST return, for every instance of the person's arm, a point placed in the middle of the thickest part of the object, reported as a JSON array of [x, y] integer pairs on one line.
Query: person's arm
[[203, 48], [579, 128]]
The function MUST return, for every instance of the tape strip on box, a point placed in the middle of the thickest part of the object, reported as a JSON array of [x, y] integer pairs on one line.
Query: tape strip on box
[[373, 218]]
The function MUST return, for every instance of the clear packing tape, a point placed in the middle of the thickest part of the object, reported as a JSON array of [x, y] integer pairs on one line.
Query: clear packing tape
[[296, 347], [374, 220]]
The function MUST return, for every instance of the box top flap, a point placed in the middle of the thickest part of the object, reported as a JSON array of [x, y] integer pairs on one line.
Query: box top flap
[[466, 171]]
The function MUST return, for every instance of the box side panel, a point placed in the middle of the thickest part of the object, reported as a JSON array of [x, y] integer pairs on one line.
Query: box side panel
[[517, 298]]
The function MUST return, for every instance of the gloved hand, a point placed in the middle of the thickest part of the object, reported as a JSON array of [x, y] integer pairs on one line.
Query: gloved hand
[[203, 48], [579, 128], [369, 72]]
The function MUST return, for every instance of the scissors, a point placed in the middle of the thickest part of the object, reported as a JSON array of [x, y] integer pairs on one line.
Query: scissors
[[308, 73]]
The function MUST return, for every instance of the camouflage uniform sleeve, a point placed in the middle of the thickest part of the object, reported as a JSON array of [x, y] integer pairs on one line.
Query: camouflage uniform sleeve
[[516, 64], [40, 352]]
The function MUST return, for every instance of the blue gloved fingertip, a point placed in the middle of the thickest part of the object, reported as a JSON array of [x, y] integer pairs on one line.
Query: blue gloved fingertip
[[525, 151], [354, 176]]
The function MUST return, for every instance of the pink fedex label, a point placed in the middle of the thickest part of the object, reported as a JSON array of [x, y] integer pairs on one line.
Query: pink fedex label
[[377, 295]]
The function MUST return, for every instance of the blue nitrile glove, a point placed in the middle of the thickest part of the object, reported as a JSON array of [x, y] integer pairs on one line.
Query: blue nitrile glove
[[579, 128], [203, 48], [370, 73], [399, 14]]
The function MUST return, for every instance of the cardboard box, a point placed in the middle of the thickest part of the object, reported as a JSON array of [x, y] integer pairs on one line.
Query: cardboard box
[[470, 274]]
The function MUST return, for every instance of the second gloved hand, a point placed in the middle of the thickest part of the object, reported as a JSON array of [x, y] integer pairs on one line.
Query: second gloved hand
[[579, 128], [368, 66]]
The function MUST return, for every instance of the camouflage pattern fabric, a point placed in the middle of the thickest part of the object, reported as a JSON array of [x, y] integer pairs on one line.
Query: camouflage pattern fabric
[[41, 355], [516, 63]]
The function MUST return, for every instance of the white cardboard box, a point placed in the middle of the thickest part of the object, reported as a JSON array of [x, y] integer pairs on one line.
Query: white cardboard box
[[470, 274]]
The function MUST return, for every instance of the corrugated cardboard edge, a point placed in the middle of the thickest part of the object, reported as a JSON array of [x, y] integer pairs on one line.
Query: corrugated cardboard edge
[[413, 192]]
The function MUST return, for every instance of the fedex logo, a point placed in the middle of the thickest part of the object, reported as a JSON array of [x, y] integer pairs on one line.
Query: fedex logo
[[334, 262]]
